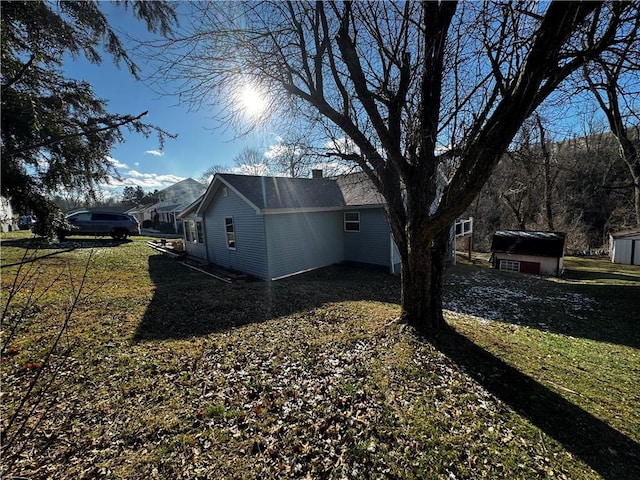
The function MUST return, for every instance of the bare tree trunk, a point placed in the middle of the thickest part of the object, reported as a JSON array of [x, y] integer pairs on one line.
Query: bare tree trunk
[[549, 179], [422, 284], [516, 211]]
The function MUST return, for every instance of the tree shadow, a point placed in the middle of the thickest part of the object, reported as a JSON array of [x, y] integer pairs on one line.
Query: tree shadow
[[609, 452], [597, 311], [34, 245], [188, 303], [599, 276]]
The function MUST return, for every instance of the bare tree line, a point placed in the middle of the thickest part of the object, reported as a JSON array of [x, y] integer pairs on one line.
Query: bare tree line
[[580, 186]]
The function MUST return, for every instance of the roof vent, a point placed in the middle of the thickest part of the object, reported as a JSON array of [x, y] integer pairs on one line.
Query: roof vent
[[316, 173]]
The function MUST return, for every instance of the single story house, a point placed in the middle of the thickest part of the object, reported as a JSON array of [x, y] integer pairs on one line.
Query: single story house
[[540, 253], [171, 201], [624, 247], [274, 227]]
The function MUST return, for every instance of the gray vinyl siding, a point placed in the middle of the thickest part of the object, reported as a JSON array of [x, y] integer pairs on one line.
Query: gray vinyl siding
[[303, 241], [250, 255], [372, 244]]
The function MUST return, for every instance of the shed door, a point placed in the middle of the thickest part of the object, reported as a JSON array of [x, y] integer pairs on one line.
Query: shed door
[[530, 267]]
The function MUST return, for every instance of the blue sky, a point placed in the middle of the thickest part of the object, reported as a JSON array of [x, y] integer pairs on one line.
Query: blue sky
[[139, 160]]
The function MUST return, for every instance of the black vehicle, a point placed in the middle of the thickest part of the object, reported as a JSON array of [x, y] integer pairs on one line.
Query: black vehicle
[[26, 222], [100, 224]]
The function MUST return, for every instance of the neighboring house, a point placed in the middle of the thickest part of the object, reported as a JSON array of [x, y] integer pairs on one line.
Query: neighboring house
[[624, 247], [171, 201], [540, 253], [274, 227], [7, 221]]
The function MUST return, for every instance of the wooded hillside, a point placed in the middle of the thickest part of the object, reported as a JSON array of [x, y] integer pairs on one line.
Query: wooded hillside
[[579, 186]]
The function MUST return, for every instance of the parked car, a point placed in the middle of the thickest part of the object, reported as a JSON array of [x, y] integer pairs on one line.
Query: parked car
[[100, 224], [26, 222]]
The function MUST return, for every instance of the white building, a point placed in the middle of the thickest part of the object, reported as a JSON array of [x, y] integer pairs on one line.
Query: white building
[[624, 247]]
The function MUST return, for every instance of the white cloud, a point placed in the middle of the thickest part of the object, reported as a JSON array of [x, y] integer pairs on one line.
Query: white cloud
[[343, 145], [278, 150], [117, 163], [147, 181], [155, 153]]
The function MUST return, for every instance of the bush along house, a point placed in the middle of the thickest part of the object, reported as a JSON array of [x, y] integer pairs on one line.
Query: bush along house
[[274, 227], [540, 253]]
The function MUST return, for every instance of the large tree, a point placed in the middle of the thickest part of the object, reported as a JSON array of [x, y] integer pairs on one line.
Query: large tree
[[56, 134], [429, 93], [613, 80]]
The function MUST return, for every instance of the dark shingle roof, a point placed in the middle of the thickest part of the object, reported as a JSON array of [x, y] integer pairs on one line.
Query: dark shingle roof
[[357, 189], [282, 192], [549, 244]]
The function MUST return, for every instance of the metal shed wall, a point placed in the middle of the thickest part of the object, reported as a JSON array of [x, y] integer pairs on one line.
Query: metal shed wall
[[625, 251]]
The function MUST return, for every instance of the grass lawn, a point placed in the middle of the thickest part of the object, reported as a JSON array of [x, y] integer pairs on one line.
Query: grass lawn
[[164, 372]]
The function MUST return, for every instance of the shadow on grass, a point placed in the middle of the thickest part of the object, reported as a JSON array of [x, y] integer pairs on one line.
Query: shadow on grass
[[188, 303], [601, 311], [33, 245], [609, 452], [598, 276]]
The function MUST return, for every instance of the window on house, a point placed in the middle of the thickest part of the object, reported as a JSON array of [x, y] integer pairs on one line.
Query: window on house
[[187, 231], [509, 266], [351, 221], [192, 227], [199, 231], [230, 232]]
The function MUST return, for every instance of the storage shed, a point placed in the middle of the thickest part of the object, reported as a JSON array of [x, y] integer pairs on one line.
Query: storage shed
[[540, 253], [624, 247]]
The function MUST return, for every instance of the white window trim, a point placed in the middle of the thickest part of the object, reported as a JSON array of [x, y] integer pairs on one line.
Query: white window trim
[[187, 231], [199, 222], [351, 222], [509, 265], [233, 232]]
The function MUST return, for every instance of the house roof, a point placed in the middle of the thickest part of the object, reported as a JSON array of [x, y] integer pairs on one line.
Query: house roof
[[267, 193], [182, 191], [169, 208], [358, 189], [277, 194], [548, 244]]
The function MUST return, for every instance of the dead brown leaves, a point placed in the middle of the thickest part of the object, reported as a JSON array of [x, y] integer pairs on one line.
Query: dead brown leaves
[[309, 378]]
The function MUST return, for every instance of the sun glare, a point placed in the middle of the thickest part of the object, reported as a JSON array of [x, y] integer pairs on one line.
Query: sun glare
[[252, 101]]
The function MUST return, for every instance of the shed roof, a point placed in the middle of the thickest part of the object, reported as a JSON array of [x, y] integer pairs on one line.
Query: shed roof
[[631, 233], [547, 244]]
